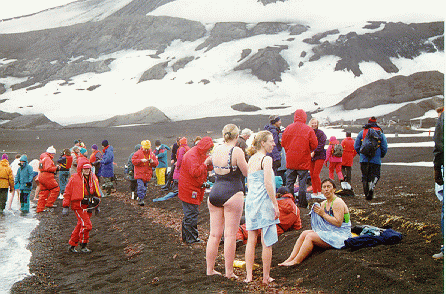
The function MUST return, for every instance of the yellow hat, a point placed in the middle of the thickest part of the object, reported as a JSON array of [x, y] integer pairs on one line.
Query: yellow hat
[[146, 144]]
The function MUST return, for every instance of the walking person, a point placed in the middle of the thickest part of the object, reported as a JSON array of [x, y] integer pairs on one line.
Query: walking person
[[49, 188], [299, 140], [6, 181], [193, 174], [65, 162], [143, 160], [274, 127], [334, 158], [106, 171], [130, 171], [23, 180], [348, 145], [82, 194], [317, 158], [160, 170], [439, 171], [14, 167], [261, 208], [225, 202], [182, 149], [371, 163]]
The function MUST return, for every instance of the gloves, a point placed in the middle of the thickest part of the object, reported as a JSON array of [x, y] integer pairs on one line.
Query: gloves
[[65, 211], [29, 184]]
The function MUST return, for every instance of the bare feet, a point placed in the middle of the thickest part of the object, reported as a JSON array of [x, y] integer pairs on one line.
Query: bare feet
[[214, 272], [247, 280], [267, 281], [231, 276], [288, 263]]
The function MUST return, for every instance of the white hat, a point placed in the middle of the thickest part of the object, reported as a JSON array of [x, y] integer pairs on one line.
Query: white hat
[[51, 149]]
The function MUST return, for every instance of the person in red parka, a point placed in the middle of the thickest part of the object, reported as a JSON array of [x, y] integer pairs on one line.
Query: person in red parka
[[193, 174], [182, 149], [143, 161], [81, 186], [348, 145], [289, 216], [49, 188], [299, 140]]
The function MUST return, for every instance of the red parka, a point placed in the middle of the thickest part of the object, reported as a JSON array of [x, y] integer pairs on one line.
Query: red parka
[[348, 145], [299, 140], [76, 188], [143, 170], [47, 170], [193, 172], [289, 214]]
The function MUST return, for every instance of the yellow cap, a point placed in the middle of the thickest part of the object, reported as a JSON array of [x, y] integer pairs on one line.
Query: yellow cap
[[146, 144]]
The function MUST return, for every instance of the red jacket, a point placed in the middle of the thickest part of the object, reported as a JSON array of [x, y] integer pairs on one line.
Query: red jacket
[[77, 188], [193, 172], [289, 214], [299, 140], [47, 170], [329, 156], [348, 145], [143, 170], [180, 154]]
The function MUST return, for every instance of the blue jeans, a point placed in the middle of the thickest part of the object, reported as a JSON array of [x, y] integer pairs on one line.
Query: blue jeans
[[141, 189], [63, 180], [291, 175]]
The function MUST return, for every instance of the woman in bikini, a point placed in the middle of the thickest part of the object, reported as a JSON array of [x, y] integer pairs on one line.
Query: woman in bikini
[[225, 202], [330, 223]]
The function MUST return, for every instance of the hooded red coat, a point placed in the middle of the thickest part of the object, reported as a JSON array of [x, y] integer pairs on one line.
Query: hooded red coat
[[348, 144], [299, 140], [193, 172], [76, 189], [143, 170], [47, 170]]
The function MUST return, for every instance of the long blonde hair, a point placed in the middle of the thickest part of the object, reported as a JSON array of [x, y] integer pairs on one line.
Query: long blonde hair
[[230, 132], [256, 144]]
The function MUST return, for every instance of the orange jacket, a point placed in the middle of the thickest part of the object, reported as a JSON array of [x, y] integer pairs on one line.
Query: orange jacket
[[47, 170]]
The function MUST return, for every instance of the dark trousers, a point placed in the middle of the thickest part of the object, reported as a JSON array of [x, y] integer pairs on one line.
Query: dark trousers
[[133, 185], [371, 173], [169, 177], [291, 175], [189, 226], [347, 172]]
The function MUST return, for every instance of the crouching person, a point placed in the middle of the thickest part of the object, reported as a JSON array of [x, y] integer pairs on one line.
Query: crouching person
[[82, 194]]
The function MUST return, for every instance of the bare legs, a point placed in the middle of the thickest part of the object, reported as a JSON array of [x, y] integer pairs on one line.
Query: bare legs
[[303, 247], [267, 253], [227, 219]]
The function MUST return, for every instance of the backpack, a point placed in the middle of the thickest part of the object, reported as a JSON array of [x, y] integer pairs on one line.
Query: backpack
[[370, 143], [337, 150]]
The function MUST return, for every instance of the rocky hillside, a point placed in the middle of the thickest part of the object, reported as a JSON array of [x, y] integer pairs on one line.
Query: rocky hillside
[[396, 90]]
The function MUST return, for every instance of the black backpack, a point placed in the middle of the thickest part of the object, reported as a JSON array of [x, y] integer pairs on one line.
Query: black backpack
[[370, 143], [337, 150]]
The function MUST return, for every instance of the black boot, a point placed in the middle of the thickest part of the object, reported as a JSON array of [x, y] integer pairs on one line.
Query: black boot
[[365, 186], [84, 248], [72, 249]]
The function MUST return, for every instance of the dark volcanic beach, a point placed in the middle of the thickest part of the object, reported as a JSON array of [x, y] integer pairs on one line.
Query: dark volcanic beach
[[139, 250]]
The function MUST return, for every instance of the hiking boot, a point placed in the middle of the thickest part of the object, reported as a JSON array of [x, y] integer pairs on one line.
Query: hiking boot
[[140, 202], [60, 196], [438, 255], [369, 196], [72, 249]]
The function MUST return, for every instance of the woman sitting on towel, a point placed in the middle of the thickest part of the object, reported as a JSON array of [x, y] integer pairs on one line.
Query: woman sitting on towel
[[261, 208], [330, 223]]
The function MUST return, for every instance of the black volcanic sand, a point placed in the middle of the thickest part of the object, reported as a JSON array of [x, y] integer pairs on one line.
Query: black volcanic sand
[[139, 249]]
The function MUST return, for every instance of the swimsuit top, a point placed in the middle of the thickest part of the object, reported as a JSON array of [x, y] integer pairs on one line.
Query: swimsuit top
[[234, 171], [330, 211]]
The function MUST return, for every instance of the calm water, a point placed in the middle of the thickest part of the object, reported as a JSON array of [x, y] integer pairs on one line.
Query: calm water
[[15, 230]]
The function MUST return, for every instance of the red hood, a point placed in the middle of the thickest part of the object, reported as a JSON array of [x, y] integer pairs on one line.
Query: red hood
[[204, 145], [300, 116]]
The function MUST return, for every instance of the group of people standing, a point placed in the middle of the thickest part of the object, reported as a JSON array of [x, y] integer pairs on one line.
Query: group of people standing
[[77, 183]]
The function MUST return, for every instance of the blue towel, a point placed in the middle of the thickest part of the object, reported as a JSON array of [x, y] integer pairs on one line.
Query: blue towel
[[166, 197], [330, 234], [387, 237], [270, 235]]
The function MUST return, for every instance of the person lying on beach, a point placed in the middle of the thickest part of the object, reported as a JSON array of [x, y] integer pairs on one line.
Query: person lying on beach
[[330, 223]]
